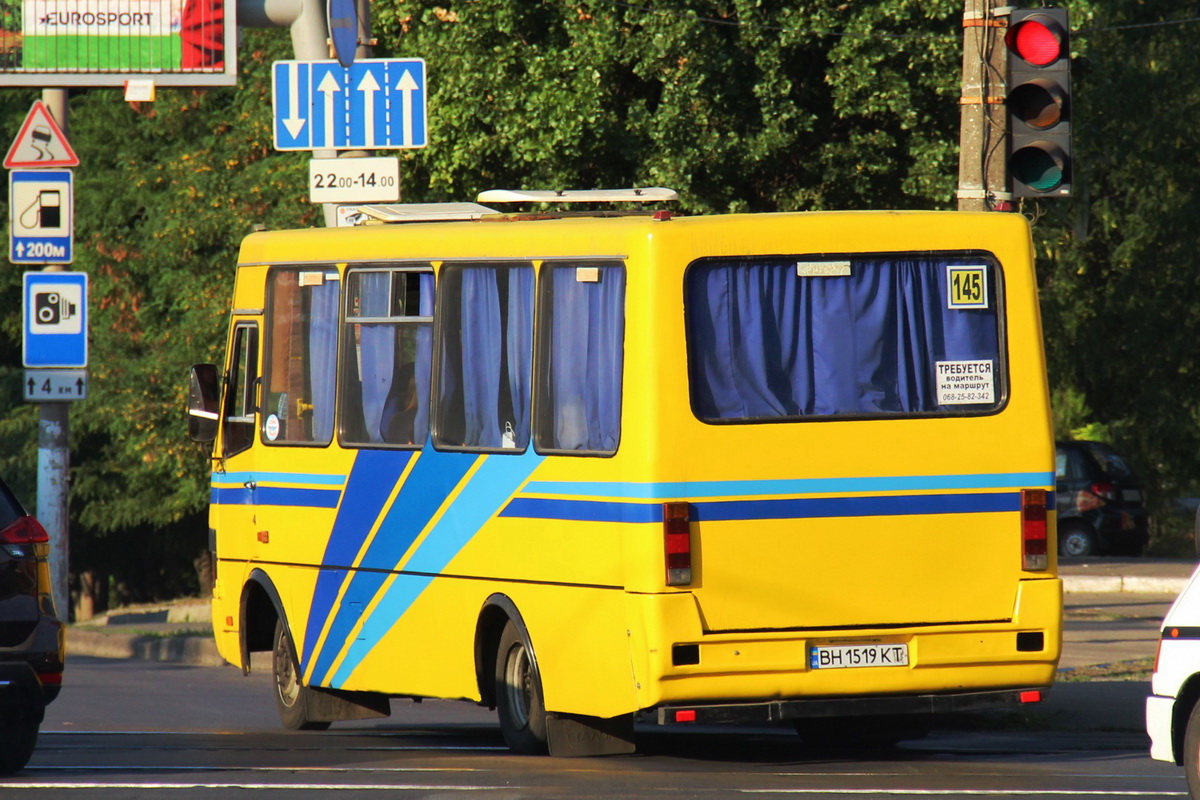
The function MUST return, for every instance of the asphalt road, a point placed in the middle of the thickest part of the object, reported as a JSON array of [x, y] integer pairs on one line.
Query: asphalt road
[[141, 729]]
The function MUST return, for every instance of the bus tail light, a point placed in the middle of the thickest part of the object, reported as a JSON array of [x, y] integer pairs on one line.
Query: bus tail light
[[677, 537], [1033, 530]]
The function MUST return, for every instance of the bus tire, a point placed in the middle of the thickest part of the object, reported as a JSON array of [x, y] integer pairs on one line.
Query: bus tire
[[519, 695], [291, 696]]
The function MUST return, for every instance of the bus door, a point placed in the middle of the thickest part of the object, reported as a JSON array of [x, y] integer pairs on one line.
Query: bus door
[[234, 484]]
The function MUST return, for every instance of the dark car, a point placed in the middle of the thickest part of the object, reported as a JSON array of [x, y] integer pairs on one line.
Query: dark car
[[31, 635], [1100, 503]]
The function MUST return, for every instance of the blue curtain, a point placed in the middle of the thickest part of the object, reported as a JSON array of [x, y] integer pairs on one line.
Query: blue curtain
[[587, 338], [377, 343], [765, 343], [491, 362], [322, 345], [424, 357], [481, 353], [519, 342]]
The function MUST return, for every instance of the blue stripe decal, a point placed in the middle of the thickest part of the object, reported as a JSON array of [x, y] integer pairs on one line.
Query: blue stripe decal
[[492, 485], [432, 479], [306, 478], [702, 489], [276, 496], [302, 498], [370, 483], [791, 508], [230, 497], [582, 510]]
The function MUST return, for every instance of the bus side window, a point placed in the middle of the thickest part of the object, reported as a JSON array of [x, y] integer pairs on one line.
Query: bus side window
[[485, 345], [239, 394], [581, 324], [388, 355], [301, 356]]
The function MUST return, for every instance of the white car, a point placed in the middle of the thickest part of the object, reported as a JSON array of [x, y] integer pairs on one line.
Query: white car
[[1172, 710]]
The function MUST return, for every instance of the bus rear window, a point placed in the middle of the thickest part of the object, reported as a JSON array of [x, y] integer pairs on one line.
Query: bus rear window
[[847, 336]]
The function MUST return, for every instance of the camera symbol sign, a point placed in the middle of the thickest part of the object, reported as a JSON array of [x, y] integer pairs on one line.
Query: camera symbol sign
[[55, 305]]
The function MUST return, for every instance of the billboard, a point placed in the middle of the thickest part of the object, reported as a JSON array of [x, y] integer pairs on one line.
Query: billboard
[[48, 43]]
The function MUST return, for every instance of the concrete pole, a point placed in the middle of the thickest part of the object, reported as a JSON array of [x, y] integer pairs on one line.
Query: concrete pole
[[54, 452], [983, 143], [309, 29]]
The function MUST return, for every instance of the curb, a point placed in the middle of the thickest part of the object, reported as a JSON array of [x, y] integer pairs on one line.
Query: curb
[[200, 651], [1102, 584]]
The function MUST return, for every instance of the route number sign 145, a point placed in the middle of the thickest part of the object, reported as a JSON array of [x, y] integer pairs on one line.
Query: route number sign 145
[[354, 180]]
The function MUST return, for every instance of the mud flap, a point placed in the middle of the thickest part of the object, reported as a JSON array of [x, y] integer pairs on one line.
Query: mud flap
[[570, 735], [331, 705]]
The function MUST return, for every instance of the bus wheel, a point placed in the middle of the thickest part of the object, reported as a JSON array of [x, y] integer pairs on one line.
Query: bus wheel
[[291, 697], [519, 695]]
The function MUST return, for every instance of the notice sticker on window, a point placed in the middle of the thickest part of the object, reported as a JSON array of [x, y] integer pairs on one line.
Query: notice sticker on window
[[967, 287], [965, 383]]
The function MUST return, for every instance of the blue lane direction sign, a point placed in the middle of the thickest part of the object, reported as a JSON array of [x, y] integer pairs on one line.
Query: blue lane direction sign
[[41, 206], [374, 104], [55, 312]]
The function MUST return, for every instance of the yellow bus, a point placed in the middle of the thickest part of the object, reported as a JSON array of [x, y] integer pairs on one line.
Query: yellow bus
[[602, 468]]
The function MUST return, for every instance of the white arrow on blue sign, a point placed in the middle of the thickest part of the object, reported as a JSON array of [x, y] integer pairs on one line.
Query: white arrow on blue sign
[[373, 104]]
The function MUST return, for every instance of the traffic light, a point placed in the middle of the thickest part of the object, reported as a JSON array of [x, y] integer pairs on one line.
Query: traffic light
[[1039, 102]]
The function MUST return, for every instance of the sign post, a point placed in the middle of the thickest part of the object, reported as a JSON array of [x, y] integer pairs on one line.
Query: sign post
[[41, 231]]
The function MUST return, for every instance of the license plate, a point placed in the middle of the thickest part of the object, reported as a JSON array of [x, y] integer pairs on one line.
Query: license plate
[[844, 656]]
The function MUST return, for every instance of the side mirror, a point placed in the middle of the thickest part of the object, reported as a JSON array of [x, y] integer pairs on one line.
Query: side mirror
[[203, 402]]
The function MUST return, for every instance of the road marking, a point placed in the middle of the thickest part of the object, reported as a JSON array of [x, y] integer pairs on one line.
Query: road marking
[[970, 792], [294, 787], [176, 768]]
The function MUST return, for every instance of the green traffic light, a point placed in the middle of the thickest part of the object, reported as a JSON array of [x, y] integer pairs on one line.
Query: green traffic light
[[1037, 167]]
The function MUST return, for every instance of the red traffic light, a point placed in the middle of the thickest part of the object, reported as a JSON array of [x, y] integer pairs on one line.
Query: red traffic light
[[1037, 39]]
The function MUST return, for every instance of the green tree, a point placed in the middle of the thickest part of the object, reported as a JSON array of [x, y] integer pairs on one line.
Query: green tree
[[1120, 298], [741, 106]]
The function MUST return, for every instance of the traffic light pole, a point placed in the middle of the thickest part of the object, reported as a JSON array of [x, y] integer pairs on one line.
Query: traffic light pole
[[983, 152]]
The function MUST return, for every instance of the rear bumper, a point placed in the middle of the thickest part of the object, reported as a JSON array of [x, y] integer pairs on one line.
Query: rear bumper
[[43, 653], [799, 708], [1160, 713]]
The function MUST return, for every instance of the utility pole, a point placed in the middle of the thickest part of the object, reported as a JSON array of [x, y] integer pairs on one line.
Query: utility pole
[[54, 451], [983, 144]]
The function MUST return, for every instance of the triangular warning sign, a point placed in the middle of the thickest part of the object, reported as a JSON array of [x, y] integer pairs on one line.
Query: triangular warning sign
[[41, 143]]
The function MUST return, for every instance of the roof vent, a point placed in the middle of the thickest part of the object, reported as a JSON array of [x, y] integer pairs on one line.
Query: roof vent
[[650, 194]]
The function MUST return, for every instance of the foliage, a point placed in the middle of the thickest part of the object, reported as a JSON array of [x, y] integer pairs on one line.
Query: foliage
[[1119, 295], [741, 105]]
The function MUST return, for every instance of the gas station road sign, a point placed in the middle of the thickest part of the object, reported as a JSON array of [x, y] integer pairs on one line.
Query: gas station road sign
[[41, 209]]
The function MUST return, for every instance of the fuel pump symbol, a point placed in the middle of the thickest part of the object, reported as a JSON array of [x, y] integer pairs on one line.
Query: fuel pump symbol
[[44, 212]]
